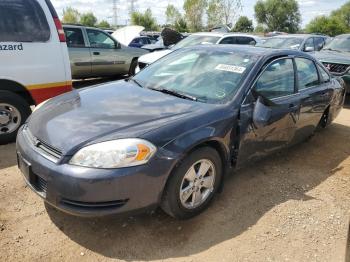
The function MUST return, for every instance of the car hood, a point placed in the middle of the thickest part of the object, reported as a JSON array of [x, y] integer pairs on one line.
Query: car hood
[[111, 111], [153, 47], [333, 57], [126, 34], [152, 57]]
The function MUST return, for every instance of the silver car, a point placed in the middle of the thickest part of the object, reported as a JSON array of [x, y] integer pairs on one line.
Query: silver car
[[95, 53]]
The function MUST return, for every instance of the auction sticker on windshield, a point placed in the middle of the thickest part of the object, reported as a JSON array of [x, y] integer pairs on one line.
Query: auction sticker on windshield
[[231, 68]]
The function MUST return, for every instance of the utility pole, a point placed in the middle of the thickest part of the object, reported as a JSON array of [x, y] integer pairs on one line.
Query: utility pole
[[115, 13], [132, 6]]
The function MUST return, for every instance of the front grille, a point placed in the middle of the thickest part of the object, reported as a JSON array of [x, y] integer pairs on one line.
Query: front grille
[[42, 147], [94, 205], [39, 184], [338, 69], [142, 65]]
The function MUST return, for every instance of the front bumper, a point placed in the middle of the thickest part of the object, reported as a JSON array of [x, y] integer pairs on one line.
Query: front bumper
[[93, 192]]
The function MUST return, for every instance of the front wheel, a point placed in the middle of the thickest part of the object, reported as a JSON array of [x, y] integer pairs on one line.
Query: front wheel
[[193, 184], [14, 111]]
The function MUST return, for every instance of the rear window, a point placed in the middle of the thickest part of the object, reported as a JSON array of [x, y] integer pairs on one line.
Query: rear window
[[23, 21]]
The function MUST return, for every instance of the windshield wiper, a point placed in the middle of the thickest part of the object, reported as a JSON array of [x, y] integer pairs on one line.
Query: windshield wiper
[[135, 81], [175, 93], [330, 49]]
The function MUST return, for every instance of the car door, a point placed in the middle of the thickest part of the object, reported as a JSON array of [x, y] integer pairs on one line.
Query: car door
[[309, 45], [105, 53], [319, 43], [79, 53], [273, 97]]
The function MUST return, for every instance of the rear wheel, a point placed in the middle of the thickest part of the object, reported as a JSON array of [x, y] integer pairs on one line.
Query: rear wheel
[[193, 184], [133, 66], [14, 111]]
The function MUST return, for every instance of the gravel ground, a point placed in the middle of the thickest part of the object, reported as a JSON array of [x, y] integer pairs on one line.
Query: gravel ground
[[293, 206]]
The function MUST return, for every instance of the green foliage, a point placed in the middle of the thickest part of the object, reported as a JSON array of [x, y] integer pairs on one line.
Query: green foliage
[[88, 19], [172, 14], [144, 19], [244, 24], [194, 11], [327, 25], [181, 25], [278, 15], [214, 13], [259, 29], [70, 16], [104, 24], [343, 14]]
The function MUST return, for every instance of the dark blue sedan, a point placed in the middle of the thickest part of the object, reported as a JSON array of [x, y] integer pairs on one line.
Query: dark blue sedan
[[168, 136]]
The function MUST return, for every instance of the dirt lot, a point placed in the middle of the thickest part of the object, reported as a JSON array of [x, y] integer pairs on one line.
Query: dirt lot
[[290, 207]]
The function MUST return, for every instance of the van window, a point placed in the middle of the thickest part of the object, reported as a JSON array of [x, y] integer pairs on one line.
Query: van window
[[74, 37], [23, 21]]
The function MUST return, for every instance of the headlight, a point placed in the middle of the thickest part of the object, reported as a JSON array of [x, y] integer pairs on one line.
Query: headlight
[[115, 154]]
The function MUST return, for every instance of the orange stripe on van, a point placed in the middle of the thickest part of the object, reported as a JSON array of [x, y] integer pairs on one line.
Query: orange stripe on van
[[42, 92]]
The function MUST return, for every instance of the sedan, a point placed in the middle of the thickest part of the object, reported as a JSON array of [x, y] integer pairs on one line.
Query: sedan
[[168, 136]]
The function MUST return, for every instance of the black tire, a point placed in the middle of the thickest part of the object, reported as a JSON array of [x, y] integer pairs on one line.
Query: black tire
[[133, 66], [171, 203], [23, 108]]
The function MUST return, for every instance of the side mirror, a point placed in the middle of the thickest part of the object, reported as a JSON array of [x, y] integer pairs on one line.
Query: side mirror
[[309, 49], [262, 113]]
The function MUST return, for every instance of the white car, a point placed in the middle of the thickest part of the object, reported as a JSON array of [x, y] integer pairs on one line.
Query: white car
[[34, 62], [200, 39]]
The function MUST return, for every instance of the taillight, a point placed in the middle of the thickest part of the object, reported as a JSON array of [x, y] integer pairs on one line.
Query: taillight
[[60, 30]]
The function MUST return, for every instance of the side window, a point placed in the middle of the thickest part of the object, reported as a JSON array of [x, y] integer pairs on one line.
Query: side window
[[277, 80], [319, 43], [309, 45], [307, 73], [99, 39], [228, 41], [242, 40], [74, 37], [23, 21], [324, 75]]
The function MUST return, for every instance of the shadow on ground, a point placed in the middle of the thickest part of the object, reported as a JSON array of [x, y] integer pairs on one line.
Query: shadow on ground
[[247, 196]]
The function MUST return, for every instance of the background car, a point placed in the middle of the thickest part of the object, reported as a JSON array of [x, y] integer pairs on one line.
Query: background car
[[95, 53], [34, 62], [336, 57], [140, 41], [198, 39], [167, 136], [301, 42]]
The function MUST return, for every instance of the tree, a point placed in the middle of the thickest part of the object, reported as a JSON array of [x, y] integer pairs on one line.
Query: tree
[[172, 14], [327, 25], [144, 19], [104, 24], [88, 19], [194, 11], [231, 10], [214, 13], [244, 24], [343, 13], [181, 25], [278, 15], [70, 16]]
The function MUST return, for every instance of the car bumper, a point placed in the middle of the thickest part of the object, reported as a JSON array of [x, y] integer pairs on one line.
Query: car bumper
[[93, 192]]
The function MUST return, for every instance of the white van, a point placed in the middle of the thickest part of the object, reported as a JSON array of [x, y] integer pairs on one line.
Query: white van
[[34, 62]]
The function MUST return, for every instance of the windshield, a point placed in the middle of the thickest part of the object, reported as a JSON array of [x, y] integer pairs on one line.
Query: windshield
[[340, 43], [209, 76], [196, 40], [282, 43]]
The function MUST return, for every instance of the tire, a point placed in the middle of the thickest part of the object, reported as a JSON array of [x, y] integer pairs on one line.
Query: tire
[[14, 111], [181, 209], [133, 66]]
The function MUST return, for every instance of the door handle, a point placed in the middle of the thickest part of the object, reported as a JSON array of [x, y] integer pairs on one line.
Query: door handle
[[96, 53]]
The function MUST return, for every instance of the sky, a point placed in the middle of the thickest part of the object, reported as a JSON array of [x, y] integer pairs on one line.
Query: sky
[[103, 9]]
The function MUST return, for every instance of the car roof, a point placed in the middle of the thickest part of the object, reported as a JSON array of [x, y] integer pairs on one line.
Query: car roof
[[297, 36], [222, 34]]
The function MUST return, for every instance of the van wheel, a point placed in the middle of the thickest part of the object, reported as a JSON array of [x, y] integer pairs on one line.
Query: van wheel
[[133, 66], [193, 184], [14, 111]]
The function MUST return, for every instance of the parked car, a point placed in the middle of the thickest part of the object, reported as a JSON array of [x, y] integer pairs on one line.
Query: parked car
[[301, 42], [336, 57], [167, 136], [198, 39], [140, 41], [95, 53], [167, 39], [34, 63]]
